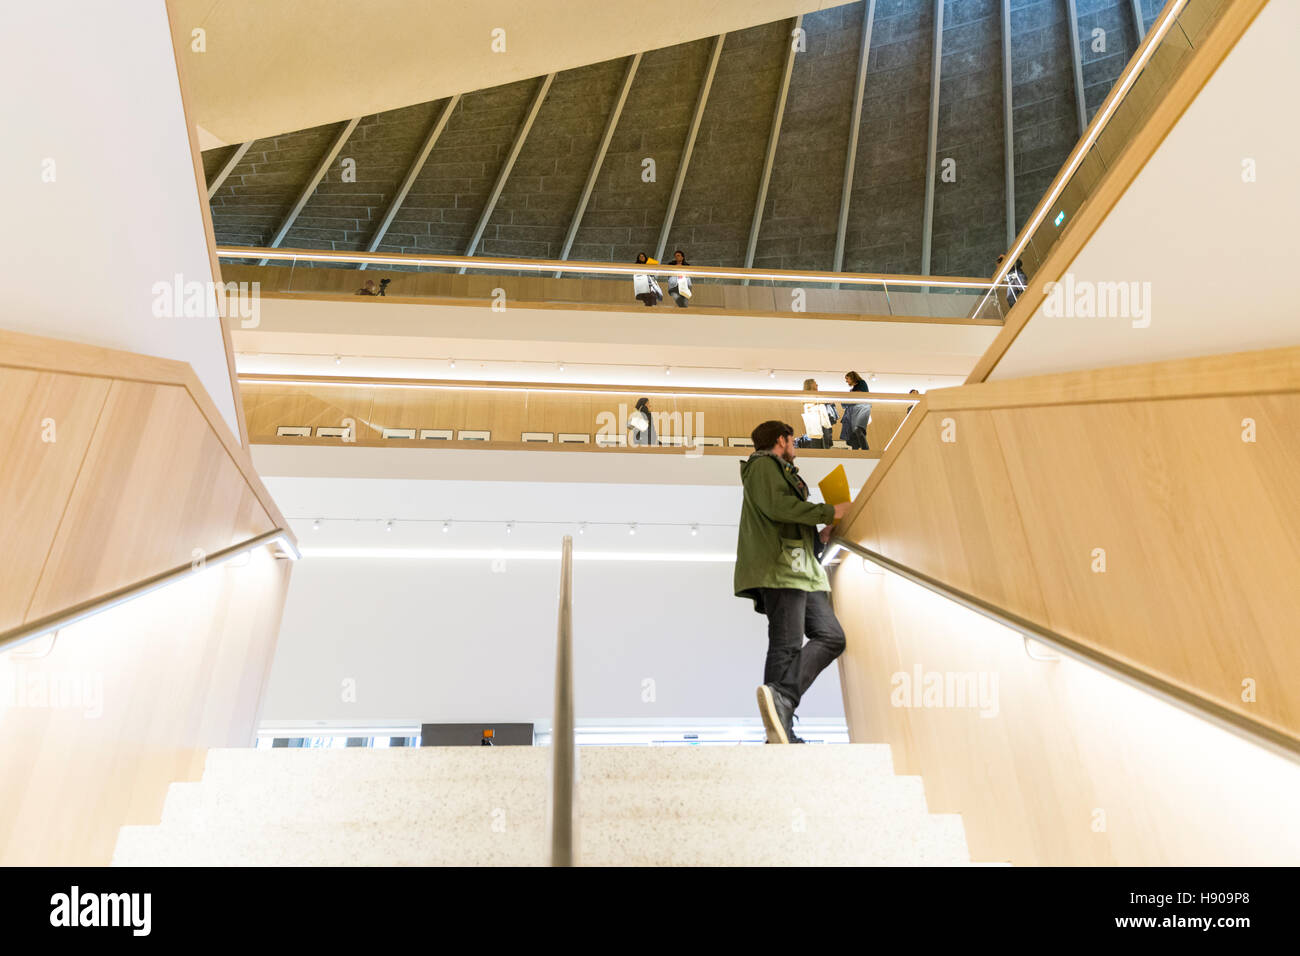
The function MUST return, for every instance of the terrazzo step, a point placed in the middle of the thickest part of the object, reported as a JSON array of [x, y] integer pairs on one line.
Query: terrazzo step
[[364, 763], [704, 806], [419, 762], [194, 805], [935, 841], [340, 844]]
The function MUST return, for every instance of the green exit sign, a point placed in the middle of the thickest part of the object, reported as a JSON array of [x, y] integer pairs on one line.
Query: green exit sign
[[1060, 218]]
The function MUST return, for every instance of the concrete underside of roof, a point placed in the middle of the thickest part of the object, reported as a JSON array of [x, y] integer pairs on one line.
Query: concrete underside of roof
[[270, 67]]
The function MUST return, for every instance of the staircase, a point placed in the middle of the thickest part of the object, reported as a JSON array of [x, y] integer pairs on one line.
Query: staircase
[[472, 806]]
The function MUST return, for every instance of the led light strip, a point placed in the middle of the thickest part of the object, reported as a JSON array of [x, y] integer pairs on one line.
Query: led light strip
[[883, 398], [80, 612], [498, 554]]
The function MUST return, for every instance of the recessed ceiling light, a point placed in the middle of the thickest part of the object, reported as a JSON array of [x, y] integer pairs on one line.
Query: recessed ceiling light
[[389, 525], [446, 527], [315, 525]]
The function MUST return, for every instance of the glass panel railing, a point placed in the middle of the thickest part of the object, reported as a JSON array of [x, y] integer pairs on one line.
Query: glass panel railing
[[612, 285], [1158, 62]]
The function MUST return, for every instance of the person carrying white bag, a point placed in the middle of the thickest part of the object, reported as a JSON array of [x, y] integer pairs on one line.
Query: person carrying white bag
[[644, 285], [679, 286]]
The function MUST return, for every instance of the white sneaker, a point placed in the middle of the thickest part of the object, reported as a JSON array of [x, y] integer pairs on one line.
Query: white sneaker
[[772, 721]]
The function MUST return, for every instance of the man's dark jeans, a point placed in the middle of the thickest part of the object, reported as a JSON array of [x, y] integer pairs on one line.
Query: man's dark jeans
[[792, 666]]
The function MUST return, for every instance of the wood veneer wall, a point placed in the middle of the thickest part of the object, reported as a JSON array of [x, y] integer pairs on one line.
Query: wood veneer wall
[[1058, 764], [1179, 479], [116, 467]]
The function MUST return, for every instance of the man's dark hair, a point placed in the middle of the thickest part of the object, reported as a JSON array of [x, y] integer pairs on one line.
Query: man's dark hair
[[768, 434]]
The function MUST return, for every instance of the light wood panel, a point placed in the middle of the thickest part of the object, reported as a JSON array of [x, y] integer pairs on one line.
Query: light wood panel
[[156, 485], [510, 412], [175, 672], [37, 353], [38, 475], [1068, 767], [1198, 526], [141, 472], [1200, 531]]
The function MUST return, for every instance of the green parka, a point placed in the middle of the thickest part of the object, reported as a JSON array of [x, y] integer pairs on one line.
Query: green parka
[[777, 527]]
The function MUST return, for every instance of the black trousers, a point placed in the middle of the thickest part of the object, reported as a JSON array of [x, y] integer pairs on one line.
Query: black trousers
[[791, 665]]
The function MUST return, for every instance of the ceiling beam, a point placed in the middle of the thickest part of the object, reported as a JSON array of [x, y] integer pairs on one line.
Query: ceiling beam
[[855, 125], [773, 136], [1080, 104], [321, 169], [678, 180], [515, 148], [611, 123], [927, 225], [1008, 141], [228, 168], [1139, 20], [411, 174]]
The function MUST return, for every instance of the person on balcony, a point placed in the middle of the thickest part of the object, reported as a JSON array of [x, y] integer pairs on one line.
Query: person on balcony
[[644, 285], [776, 567], [1015, 279], [679, 286], [641, 424], [818, 417], [857, 415]]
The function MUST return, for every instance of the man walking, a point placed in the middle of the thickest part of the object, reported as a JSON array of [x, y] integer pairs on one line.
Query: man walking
[[776, 566]]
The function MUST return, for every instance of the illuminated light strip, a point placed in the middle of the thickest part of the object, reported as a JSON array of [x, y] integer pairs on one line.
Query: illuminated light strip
[[1081, 150], [1206, 709], [602, 268], [22, 634], [866, 398], [496, 554]]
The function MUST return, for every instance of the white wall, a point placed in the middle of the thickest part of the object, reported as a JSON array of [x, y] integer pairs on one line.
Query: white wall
[[93, 87], [444, 641]]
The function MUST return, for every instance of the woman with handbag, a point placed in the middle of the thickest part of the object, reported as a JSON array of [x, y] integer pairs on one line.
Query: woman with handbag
[[644, 285]]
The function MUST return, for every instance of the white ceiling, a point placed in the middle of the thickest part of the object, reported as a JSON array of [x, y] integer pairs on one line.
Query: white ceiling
[[469, 368], [304, 336], [272, 67], [1218, 252], [356, 491]]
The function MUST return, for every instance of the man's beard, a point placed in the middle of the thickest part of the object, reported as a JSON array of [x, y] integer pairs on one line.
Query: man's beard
[[788, 456]]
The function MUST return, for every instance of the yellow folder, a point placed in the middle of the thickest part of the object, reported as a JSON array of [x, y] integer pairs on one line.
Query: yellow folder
[[835, 486]]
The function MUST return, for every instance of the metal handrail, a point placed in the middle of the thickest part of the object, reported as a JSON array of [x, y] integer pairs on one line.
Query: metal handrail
[[564, 766], [599, 268], [1248, 728], [14, 637]]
